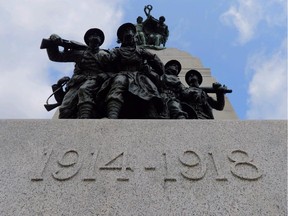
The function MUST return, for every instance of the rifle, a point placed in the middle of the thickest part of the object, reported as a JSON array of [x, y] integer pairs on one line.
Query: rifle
[[58, 94], [50, 107], [213, 90], [67, 44]]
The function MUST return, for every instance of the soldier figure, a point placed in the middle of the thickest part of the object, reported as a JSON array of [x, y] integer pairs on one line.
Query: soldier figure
[[195, 100], [133, 68], [161, 34], [89, 73], [140, 36], [156, 30], [171, 90]]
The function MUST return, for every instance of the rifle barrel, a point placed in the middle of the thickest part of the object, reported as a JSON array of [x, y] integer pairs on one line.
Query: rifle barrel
[[46, 43], [212, 90], [50, 107]]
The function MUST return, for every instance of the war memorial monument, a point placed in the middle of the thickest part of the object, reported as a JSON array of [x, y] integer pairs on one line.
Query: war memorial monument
[[140, 129]]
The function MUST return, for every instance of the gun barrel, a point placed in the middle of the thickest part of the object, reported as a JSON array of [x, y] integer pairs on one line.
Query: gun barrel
[[212, 90], [46, 43], [50, 107]]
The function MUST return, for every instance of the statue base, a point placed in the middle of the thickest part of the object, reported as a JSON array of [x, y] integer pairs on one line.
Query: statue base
[[143, 167]]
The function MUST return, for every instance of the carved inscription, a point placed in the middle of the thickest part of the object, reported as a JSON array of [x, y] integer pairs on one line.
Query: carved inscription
[[195, 167], [118, 163], [69, 165], [167, 177], [243, 162], [219, 170], [90, 174], [191, 165], [38, 176], [108, 165]]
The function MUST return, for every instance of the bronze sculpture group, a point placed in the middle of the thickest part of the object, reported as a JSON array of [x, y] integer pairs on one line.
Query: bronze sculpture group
[[152, 32], [127, 81]]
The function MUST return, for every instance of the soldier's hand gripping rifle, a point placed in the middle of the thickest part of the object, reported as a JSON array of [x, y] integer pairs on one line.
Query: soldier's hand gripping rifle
[[58, 94], [55, 40]]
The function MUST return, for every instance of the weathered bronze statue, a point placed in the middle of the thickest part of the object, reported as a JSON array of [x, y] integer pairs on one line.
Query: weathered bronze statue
[[196, 101], [153, 33], [89, 72], [172, 88], [58, 93], [128, 81], [140, 35], [132, 86]]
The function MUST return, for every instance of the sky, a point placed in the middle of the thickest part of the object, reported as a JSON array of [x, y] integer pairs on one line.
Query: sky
[[243, 42]]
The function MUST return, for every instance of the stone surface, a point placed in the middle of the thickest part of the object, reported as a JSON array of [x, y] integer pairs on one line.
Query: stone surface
[[143, 167]]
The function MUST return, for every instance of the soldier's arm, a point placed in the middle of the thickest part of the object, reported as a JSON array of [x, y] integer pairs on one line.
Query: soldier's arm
[[64, 55], [154, 61], [56, 55], [187, 93], [166, 31], [219, 103]]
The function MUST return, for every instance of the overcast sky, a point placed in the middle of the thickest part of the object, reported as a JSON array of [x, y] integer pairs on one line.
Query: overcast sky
[[243, 42]]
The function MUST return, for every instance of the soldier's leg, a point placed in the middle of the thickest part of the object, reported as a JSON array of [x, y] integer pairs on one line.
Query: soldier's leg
[[175, 110], [143, 39], [86, 102], [158, 40], [68, 108], [115, 98]]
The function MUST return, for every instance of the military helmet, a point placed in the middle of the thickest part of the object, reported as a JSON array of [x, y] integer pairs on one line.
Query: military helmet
[[171, 62], [123, 28], [94, 31], [193, 72]]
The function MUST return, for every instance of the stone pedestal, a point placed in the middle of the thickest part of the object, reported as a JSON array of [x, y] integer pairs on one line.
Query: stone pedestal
[[143, 167]]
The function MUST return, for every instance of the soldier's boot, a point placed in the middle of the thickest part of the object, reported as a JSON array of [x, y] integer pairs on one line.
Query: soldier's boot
[[181, 116], [85, 110], [177, 113], [113, 109]]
